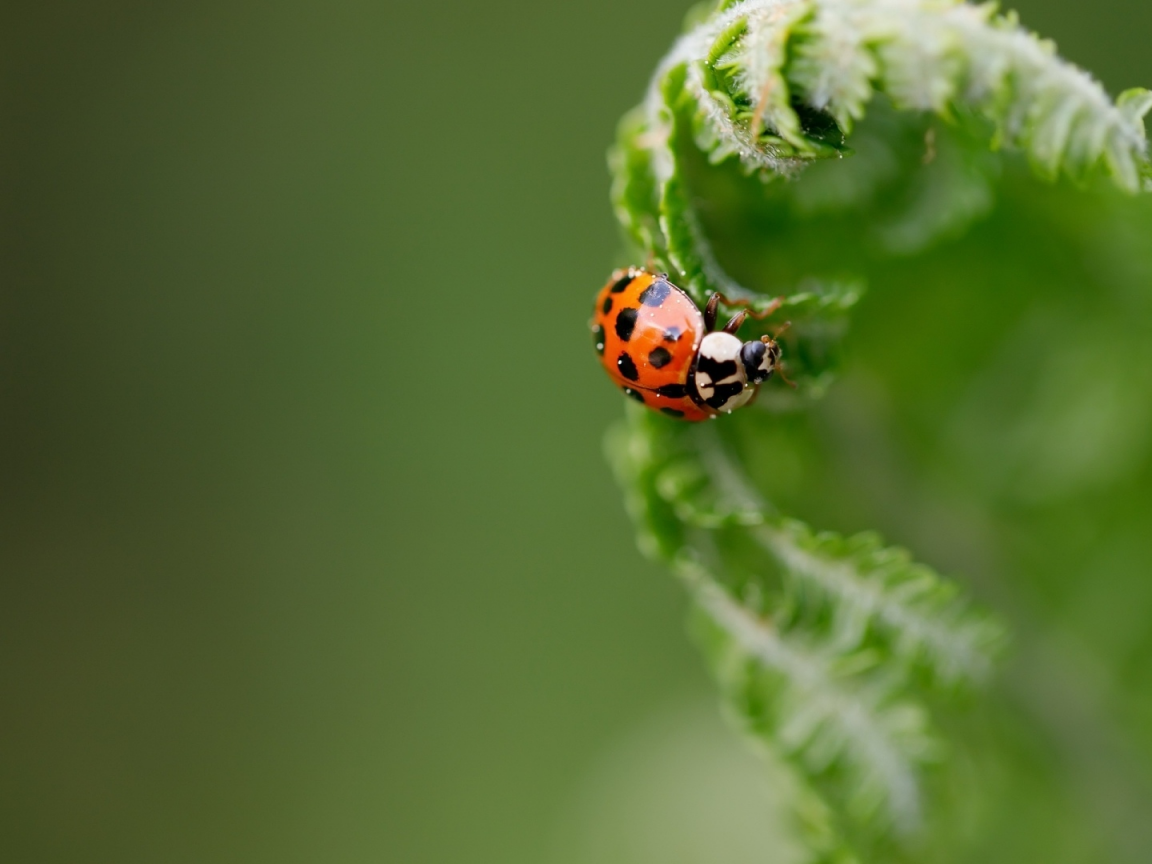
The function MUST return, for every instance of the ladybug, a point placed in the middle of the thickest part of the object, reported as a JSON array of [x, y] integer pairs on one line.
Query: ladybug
[[664, 352]]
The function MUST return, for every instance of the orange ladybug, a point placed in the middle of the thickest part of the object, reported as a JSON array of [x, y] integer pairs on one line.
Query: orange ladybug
[[662, 351]]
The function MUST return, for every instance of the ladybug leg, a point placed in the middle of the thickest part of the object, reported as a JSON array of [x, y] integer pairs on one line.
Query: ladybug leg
[[737, 319], [710, 313], [768, 310], [780, 373]]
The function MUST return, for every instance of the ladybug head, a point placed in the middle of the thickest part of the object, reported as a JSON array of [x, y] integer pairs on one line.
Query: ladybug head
[[759, 359]]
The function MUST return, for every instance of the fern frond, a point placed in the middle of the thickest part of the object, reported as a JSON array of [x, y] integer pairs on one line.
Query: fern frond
[[833, 650], [817, 705], [737, 82], [936, 56], [868, 590], [867, 587], [836, 699]]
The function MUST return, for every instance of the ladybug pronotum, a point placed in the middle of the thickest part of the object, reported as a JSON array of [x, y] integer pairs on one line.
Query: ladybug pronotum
[[664, 352]]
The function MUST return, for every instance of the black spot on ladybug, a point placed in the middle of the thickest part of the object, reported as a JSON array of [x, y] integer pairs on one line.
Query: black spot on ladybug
[[635, 394], [607, 305], [621, 283], [673, 391], [659, 357], [717, 370], [722, 393], [655, 294], [598, 338], [723, 377], [672, 412], [626, 323], [627, 367], [672, 334]]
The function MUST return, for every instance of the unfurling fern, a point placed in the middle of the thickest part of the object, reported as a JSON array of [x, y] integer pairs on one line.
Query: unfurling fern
[[837, 652]]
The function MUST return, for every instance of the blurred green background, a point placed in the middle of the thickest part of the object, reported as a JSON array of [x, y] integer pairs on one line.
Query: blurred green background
[[309, 553]]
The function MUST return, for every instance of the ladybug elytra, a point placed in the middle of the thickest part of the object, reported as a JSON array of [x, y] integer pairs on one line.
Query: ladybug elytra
[[664, 352]]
